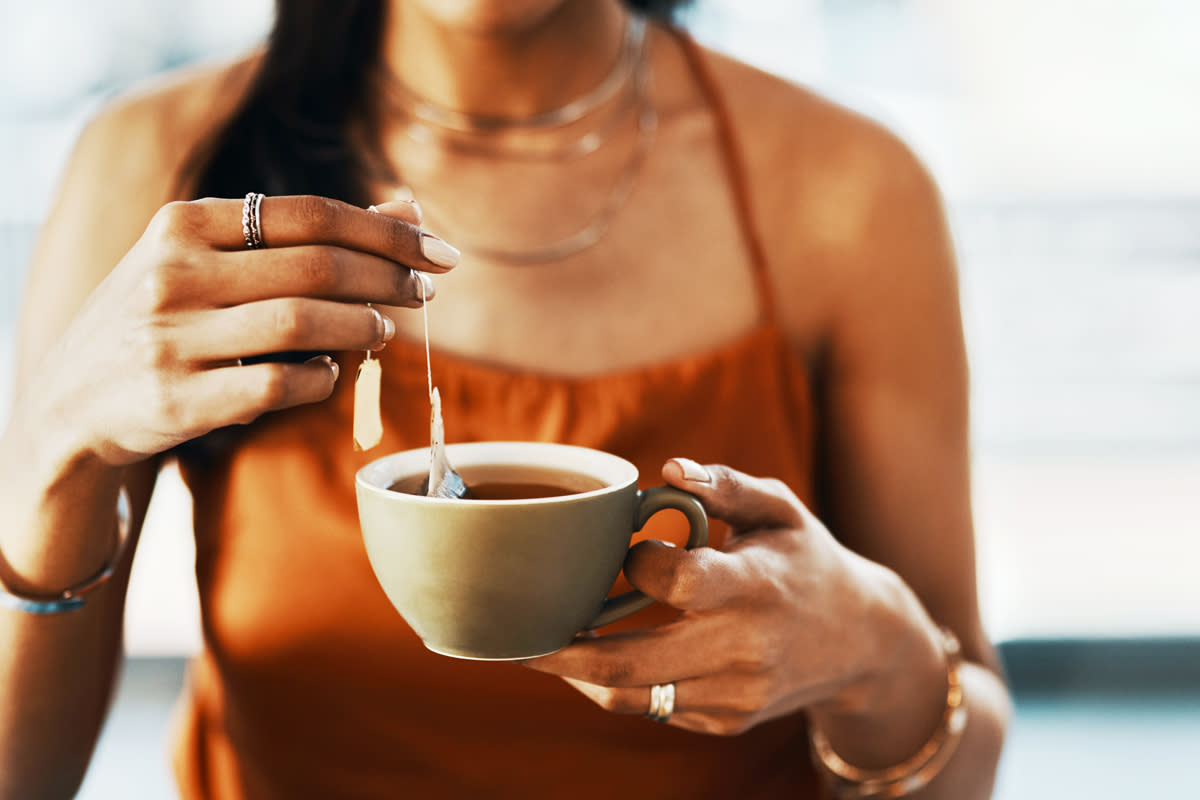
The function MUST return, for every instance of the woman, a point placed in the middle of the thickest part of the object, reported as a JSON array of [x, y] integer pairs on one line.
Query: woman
[[663, 252]]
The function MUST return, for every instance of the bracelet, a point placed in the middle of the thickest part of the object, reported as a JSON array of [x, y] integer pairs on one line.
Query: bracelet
[[72, 599], [854, 783]]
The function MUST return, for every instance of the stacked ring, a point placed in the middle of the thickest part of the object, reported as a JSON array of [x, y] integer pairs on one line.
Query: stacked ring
[[252, 220], [662, 702]]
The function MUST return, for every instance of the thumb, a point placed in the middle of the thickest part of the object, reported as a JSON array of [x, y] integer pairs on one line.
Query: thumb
[[406, 210], [743, 501]]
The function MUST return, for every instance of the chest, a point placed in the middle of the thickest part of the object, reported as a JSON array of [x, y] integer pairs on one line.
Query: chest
[[670, 276]]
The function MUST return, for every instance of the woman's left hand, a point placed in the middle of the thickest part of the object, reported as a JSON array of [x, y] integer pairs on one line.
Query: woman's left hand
[[783, 618]]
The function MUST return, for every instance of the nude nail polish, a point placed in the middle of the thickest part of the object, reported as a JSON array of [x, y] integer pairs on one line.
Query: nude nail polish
[[693, 471], [438, 251]]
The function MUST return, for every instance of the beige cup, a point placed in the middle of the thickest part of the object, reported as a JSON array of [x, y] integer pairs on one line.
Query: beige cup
[[509, 579]]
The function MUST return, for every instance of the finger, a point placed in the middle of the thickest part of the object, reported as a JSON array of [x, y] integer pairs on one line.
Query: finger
[[307, 219], [690, 580], [724, 694], [720, 705], [280, 325], [325, 271], [743, 501], [640, 657], [238, 395], [405, 209]]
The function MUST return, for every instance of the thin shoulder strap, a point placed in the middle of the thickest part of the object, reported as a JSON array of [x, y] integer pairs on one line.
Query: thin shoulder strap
[[735, 168]]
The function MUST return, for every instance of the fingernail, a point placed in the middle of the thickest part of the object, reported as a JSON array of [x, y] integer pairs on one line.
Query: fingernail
[[438, 251], [416, 208], [389, 327], [693, 471], [328, 362], [428, 289]]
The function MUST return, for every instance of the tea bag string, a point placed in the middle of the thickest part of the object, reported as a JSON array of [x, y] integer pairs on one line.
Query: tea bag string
[[425, 316]]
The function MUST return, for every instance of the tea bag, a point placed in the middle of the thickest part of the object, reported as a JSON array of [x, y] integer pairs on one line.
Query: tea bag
[[442, 480]]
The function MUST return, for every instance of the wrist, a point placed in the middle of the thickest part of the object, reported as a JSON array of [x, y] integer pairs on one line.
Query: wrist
[[58, 505], [887, 713]]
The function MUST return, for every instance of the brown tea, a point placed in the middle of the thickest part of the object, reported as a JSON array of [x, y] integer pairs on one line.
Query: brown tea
[[511, 482]]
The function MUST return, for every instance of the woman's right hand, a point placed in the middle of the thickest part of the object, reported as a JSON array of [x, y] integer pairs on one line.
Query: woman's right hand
[[152, 358]]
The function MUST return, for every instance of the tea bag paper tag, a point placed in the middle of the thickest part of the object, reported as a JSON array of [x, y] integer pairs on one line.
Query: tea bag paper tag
[[368, 426]]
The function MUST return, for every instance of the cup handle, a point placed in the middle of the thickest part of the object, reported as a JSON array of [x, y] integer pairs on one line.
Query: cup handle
[[649, 503]]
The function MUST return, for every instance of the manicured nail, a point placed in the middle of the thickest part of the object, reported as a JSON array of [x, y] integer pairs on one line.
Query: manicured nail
[[416, 208], [693, 471], [428, 289], [438, 251], [328, 362], [389, 328]]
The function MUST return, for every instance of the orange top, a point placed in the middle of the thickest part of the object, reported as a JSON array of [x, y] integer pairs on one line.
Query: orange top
[[311, 685]]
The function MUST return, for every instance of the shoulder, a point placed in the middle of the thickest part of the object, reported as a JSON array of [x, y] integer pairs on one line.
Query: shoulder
[[837, 196], [142, 138], [129, 158], [125, 165]]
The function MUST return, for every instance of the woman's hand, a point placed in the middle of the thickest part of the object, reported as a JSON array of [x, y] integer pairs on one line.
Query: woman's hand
[[154, 356], [784, 618]]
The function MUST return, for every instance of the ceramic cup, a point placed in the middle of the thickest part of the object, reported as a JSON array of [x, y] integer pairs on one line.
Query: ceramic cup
[[511, 578]]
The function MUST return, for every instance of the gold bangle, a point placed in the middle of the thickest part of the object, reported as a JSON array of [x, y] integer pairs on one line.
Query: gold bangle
[[915, 772], [72, 599]]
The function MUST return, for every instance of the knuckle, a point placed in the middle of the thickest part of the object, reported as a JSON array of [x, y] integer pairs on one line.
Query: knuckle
[[165, 405], [155, 348], [753, 652], [170, 217], [288, 319], [776, 487], [681, 583], [162, 284], [178, 219], [320, 269], [318, 215], [273, 388], [610, 674], [752, 696]]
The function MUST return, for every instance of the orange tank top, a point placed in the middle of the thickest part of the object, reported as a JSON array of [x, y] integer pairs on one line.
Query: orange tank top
[[310, 685]]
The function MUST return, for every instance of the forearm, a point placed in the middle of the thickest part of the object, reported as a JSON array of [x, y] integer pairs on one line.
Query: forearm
[[56, 670]]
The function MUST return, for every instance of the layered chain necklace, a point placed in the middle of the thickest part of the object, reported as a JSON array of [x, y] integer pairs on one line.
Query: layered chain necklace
[[493, 136]]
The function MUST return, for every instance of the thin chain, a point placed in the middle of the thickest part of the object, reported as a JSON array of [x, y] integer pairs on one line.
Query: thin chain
[[595, 229], [439, 116]]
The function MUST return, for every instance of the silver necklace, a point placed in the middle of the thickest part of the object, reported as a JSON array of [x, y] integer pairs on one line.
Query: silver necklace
[[439, 116], [595, 229]]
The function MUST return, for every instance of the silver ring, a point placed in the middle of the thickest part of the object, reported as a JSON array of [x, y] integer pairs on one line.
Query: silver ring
[[252, 220], [662, 702]]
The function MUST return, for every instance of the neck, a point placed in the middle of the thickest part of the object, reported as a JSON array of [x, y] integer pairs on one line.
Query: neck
[[519, 68]]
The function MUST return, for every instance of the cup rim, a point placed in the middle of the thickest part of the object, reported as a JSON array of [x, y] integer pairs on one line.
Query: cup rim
[[616, 472]]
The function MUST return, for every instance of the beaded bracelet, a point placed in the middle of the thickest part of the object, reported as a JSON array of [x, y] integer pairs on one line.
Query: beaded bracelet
[[854, 783], [72, 599]]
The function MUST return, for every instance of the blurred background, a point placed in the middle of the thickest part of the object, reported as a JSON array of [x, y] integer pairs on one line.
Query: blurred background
[[1064, 135]]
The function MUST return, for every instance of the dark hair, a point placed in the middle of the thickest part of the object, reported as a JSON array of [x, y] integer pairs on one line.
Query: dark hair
[[293, 132]]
